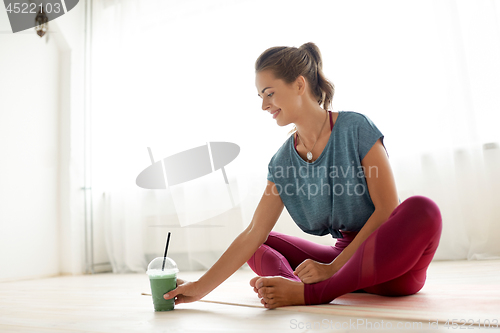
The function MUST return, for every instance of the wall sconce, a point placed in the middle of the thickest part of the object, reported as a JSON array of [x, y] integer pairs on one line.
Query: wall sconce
[[41, 20]]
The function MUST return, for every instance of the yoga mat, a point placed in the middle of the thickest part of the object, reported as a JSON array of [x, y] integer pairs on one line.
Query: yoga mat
[[464, 292]]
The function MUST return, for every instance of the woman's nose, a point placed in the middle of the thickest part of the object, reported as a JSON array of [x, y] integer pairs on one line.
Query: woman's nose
[[265, 105]]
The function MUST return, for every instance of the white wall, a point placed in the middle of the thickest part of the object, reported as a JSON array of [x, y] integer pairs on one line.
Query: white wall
[[41, 213], [69, 30], [29, 130]]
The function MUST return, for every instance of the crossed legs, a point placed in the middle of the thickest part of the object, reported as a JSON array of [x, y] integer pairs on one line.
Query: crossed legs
[[392, 261]]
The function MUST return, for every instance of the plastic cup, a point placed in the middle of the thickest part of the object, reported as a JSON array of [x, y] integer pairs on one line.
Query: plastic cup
[[162, 281]]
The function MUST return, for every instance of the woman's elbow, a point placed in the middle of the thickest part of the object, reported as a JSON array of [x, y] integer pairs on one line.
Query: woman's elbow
[[257, 234]]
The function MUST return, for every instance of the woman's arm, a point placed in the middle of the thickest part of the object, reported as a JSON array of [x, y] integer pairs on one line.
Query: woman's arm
[[241, 249], [383, 192]]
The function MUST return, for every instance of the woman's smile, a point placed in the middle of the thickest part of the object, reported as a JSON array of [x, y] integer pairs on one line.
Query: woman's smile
[[275, 113]]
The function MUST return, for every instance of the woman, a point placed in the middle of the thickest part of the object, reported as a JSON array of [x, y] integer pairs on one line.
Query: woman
[[335, 179]]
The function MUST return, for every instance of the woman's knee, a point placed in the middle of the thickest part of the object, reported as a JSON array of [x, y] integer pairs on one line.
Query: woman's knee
[[255, 260], [426, 209]]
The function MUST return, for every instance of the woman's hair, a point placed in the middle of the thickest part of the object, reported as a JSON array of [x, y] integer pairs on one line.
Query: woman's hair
[[288, 63]]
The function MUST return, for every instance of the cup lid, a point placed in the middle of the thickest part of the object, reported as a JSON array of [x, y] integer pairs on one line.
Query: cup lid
[[155, 266]]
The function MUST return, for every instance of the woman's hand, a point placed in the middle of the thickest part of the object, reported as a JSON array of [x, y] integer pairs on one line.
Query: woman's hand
[[310, 271], [185, 292]]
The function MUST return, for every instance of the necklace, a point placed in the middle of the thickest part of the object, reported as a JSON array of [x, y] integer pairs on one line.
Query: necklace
[[309, 153]]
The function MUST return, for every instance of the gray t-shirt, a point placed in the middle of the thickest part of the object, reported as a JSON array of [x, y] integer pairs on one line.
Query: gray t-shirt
[[331, 193]]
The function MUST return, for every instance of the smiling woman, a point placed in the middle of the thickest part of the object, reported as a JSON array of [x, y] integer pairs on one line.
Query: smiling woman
[[384, 247], [280, 67]]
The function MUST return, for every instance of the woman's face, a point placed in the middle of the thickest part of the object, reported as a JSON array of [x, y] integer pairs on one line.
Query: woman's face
[[280, 99]]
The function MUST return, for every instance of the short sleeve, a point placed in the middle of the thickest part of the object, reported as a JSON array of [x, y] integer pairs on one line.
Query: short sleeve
[[269, 173], [368, 134]]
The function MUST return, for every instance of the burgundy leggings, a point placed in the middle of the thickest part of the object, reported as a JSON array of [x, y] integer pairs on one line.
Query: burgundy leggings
[[392, 261]]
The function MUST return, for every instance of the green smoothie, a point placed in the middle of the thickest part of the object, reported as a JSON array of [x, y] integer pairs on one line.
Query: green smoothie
[[162, 283]]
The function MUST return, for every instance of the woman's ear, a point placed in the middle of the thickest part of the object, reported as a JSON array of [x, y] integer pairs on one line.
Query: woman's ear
[[301, 85]]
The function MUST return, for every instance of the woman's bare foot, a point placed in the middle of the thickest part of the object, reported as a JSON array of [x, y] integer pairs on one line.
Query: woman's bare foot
[[278, 291]]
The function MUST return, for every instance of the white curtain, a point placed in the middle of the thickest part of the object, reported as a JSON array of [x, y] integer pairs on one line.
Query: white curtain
[[174, 75]]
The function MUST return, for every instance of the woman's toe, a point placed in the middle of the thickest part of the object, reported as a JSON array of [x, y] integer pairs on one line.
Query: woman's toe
[[253, 280]]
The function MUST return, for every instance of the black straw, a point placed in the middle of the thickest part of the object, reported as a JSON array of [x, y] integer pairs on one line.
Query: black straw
[[165, 255]]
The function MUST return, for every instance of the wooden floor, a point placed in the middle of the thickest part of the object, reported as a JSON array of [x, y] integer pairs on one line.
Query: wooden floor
[[113, 303]]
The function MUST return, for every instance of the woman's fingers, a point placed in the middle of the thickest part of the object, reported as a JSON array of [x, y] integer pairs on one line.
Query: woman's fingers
[[304, 267], [309, 274], [309, 279], [178, 290], [306, 271], [304, 277], [172, 293], [179, 300], [300, 267], [310, 271]]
